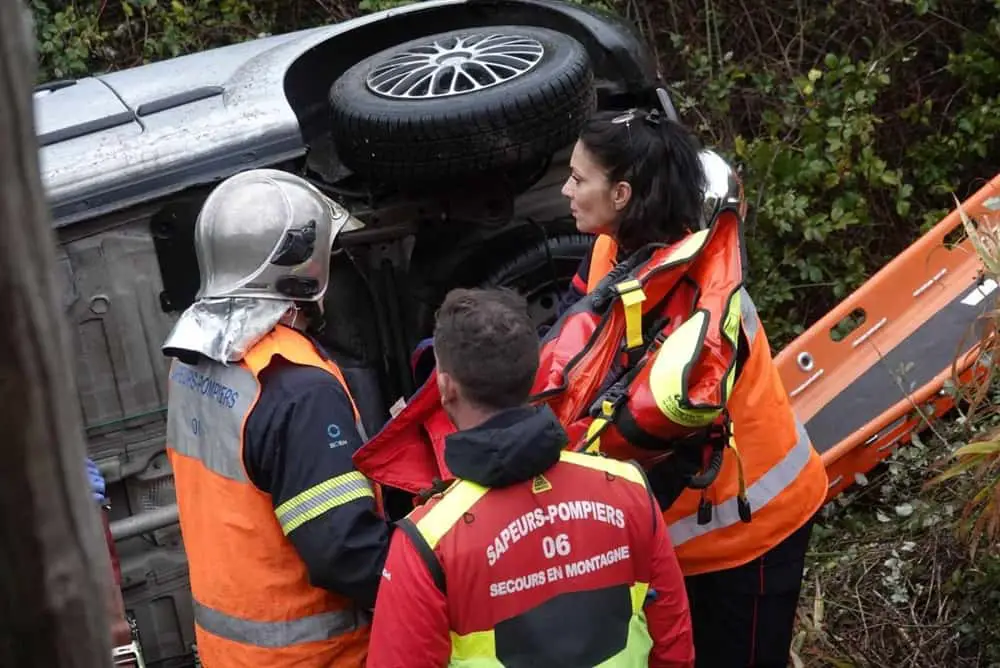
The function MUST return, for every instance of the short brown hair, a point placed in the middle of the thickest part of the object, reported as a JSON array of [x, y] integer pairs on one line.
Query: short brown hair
[[485, 339]]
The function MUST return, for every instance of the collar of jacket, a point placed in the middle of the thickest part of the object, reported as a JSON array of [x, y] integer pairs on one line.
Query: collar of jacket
[[511, 447]]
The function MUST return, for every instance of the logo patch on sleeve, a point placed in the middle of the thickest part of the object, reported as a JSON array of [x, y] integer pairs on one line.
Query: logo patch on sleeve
[[540, 484]]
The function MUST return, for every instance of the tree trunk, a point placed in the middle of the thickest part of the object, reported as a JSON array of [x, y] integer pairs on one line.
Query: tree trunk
[[54, 567]]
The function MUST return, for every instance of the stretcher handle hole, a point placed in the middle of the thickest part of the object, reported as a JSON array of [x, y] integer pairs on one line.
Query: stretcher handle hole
[[805, 361], [851, 322], [957, 234]]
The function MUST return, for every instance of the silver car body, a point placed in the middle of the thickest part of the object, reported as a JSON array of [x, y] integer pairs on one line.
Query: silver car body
[[114, 140]]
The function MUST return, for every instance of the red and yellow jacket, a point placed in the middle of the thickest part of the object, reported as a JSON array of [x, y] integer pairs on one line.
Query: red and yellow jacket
[[535, 556]]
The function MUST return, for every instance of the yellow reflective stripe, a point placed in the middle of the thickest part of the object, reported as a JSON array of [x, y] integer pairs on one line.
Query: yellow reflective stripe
[[669, 369], [637, 647], [632, 296], [689, 247], [325, 496], [678, 352], [731, 330], [449, 508], [638, 592], [639, 643], [612, 466], [475, 650], [478, 649]]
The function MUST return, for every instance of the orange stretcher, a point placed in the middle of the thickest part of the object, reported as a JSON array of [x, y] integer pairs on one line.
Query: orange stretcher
[[911, 326]]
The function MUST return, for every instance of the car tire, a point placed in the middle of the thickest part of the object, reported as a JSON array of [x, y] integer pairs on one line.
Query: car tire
[[518, 121], [542, 274]]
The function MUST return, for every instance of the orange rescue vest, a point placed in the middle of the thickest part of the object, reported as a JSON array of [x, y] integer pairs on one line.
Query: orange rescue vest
[[687, 382], [253, 604]]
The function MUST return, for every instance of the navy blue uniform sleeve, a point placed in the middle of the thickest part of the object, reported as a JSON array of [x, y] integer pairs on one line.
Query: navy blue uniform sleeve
[[578, 284], [298, 448]]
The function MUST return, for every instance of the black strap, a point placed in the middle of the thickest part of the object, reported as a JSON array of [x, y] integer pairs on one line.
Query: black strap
[[424, 550]]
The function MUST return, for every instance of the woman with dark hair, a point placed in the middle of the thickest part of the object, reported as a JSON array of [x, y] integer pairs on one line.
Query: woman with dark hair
[[662, 359], [666, 362], [637, 177]]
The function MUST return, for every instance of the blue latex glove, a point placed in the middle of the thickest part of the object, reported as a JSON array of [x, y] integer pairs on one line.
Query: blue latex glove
[[97, 485]]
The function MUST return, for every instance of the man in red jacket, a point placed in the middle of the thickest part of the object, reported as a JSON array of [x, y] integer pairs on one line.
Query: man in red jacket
[[534, 556]]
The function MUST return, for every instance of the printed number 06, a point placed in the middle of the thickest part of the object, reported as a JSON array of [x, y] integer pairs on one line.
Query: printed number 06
[[553, 546]]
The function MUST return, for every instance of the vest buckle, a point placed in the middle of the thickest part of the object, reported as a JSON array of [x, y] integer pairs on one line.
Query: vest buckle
[[704, 511], [438, 486], [743, 506], [610, 402], [715, 438]]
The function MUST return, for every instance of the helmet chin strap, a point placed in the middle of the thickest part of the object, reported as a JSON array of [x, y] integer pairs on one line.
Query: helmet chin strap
[[291, 318], [307, 318]]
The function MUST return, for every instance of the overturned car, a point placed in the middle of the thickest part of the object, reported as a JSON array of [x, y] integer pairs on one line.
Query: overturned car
[[444, 127]]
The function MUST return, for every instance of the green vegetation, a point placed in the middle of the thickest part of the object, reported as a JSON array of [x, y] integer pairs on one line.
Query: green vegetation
[[890, 582], [855, 122]]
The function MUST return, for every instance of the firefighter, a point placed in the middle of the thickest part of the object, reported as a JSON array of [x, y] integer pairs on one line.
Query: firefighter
[[535, 555], [284, 538], [686, 377]]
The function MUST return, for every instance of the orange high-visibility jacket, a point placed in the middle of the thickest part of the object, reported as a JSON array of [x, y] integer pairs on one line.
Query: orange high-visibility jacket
[[253, 603], [688, 382]]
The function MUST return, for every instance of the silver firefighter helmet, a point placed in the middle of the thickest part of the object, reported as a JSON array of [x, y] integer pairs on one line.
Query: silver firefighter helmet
[[723, 187], [263, 240], [266, 234]]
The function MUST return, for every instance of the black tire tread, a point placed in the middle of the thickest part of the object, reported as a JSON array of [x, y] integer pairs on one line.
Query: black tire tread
[[508, 131], [563, 246], [520, 270]]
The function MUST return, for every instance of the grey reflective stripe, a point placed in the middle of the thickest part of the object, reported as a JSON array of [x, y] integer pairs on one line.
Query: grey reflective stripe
[[760, 493], [314, 628], [206, 405], [748, 313], [321, 498]]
